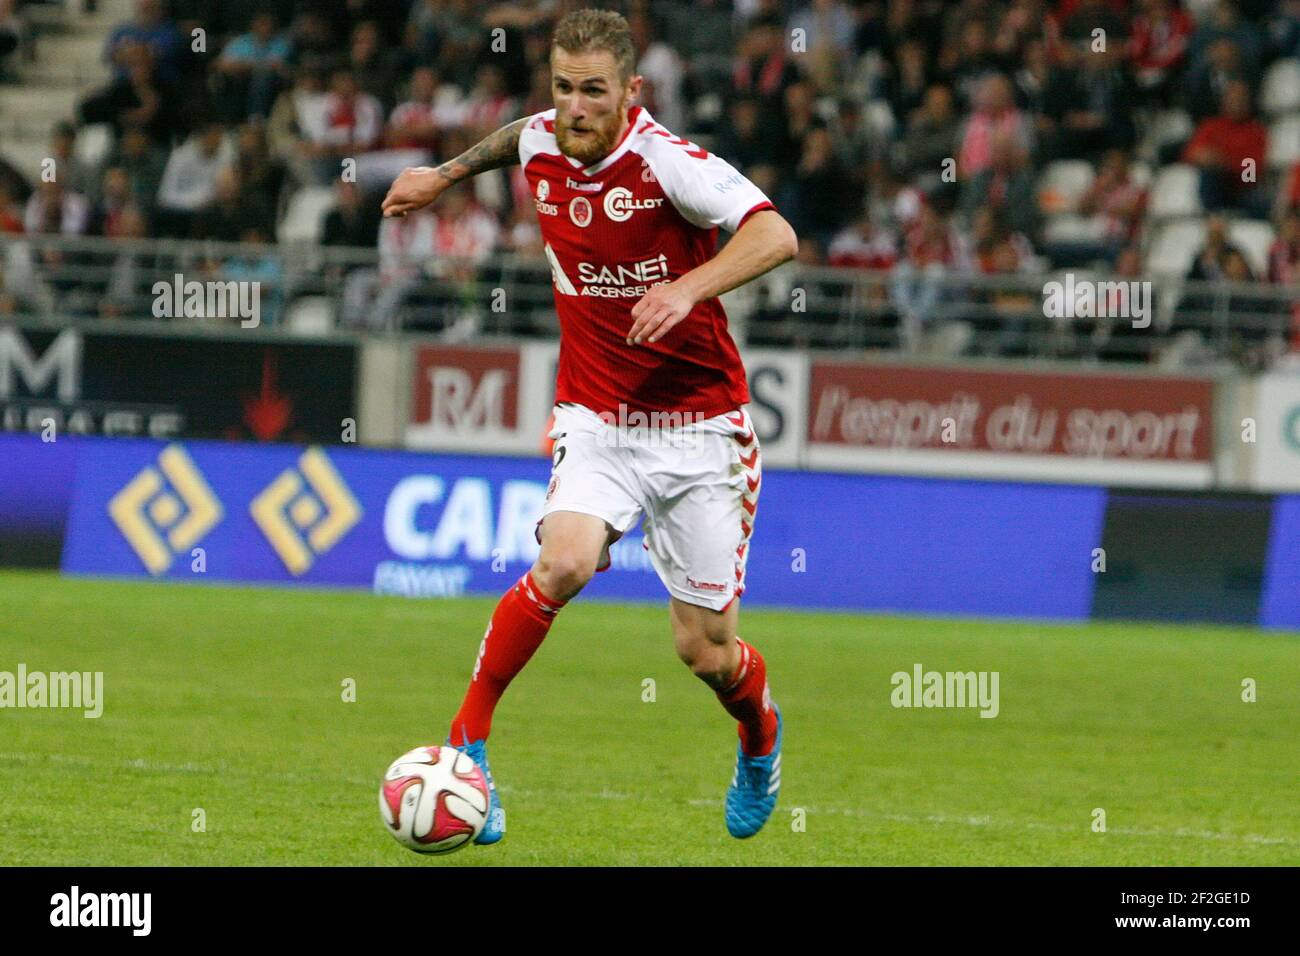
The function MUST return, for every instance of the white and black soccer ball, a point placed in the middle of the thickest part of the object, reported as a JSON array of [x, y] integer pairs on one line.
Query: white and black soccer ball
[[434, 799]]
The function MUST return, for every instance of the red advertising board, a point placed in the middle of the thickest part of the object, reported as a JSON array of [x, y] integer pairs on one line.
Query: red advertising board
[[465, 388], [1019, 423]]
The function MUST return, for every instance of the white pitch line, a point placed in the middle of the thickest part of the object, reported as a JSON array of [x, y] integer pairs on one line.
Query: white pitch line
[[608, 794], [986, 821], [157, 766], [944, 819]]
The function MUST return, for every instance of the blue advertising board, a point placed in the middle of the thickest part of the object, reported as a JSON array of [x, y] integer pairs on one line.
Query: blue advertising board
[[424, 525], [36, 481], [445, 525], [1280, 601]]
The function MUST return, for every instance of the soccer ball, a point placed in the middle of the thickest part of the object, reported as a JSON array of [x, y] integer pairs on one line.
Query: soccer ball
[[434, 799]]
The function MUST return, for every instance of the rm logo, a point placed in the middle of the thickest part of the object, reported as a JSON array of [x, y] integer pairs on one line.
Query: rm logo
[[303, 520], [166, 510]]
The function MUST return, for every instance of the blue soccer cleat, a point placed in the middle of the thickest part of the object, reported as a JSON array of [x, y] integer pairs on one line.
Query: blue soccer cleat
[[751, 797], [495, 827]]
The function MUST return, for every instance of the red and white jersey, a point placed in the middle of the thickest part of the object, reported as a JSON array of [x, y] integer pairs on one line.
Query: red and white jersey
[[644, 215]]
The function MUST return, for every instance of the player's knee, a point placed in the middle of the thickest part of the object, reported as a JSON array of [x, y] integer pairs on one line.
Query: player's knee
[[707, 660], [563, 575]]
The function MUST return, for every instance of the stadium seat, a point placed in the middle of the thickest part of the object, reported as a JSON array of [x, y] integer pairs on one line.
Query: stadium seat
[[94, 140], [1280, 92], [947, 340], [1063, 184], [1078, 275], [305, 217], [1254, 237], [310, 315], [377, 170], [708, 108], [880, 118], [1201, 9], [1068, 227], [1175, 246], [1175, 192], [1284, 141], [1167, 126]]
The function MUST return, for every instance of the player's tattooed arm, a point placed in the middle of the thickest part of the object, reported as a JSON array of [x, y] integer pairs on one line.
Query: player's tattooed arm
[[418, 186], [494, 151]]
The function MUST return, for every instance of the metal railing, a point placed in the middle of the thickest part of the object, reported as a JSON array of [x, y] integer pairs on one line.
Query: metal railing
[[314, 290]]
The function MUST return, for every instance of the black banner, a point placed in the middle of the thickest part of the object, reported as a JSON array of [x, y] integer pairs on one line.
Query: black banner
[[1183, 556], [167, 385], [977, 907]]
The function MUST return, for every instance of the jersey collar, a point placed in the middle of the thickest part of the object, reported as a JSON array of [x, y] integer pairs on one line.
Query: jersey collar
[[635, 116]]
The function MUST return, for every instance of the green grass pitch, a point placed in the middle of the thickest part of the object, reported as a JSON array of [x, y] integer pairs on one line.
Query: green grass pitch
[[231, 700]]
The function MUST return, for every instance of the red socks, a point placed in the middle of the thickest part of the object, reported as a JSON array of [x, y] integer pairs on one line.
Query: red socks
[[518, 625], [748, 700]]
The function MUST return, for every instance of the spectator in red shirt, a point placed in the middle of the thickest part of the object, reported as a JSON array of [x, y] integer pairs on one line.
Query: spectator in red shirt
[[1119, 200], [933, 251], [489, 105], [995, 115], [11, 217], [1230, 151], [863, 245], [114, 198], [414, 123], [761, 67], [353, 124], [1158, 47]]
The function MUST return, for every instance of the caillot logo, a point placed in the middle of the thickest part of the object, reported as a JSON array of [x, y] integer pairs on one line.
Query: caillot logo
[[305, 511], [165, 510], [619, 204]]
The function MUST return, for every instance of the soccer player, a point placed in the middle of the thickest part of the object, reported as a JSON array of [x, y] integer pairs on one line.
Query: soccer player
[[650, 394]]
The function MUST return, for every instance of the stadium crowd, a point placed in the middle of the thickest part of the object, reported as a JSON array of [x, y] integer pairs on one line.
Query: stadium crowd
[[912, 136]]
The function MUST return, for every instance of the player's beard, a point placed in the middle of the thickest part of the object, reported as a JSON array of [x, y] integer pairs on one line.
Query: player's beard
[[599, 142]]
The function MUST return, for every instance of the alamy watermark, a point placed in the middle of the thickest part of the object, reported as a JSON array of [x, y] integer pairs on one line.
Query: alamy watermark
[[133, 911], [922, 688], [179, 299], [628, 427], [82, 690], [1094, 299]]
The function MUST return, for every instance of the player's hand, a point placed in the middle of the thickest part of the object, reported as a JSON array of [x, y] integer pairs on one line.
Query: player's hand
[[657, 312], [414, 189]]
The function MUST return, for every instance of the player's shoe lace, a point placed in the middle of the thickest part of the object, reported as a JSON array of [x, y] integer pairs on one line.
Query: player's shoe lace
[[754, 788], [495, 827]]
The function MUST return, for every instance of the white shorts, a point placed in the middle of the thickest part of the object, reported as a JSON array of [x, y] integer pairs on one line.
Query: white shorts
[[697, 485]]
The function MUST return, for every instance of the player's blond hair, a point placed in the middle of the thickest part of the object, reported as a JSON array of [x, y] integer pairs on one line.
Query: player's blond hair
[[587, 31]]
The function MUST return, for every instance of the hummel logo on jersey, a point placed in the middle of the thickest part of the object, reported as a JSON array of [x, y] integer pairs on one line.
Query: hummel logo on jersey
[[584, 187], [707, 585], [619, 204]]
